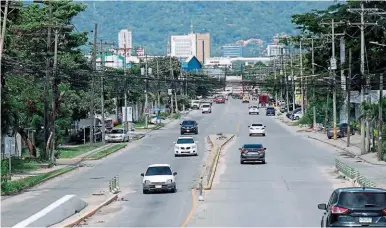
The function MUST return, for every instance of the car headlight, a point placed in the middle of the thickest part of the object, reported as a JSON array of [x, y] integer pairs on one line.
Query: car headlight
[[146, 182], [194, 147], [176, 148], [169, 181]]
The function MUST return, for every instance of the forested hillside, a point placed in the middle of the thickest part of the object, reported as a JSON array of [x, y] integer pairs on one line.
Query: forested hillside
[[153, 22]]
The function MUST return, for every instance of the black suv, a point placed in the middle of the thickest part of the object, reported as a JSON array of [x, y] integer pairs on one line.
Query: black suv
[[189, 126], [355, 206], [270, 111]]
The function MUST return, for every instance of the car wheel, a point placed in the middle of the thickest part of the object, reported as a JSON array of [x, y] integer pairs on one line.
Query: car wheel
[[264, 134], [174, 190], [250, 134], [241, 162], [297, 118], [196, 154], [329, 137], [249, 113], [196, 132], [145, 191], [263, 162], [175, 155], [182, 133]]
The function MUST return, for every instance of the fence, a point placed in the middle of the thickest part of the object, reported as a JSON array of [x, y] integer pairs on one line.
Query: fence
[[353, 174]]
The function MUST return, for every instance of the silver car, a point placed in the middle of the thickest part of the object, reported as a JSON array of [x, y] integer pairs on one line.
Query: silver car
[[117, 135]]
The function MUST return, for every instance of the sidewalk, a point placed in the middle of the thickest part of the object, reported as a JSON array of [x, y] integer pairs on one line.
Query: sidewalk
[[368, 164]]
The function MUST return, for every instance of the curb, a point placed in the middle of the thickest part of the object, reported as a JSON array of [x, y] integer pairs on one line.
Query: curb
[[105, 155], [92, 212], [344, 149], [213, 171]]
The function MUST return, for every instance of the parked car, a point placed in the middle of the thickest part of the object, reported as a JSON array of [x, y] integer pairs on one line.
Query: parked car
[[117, 135], [289, 114], [297, 115], [355, 207], [341, 130]]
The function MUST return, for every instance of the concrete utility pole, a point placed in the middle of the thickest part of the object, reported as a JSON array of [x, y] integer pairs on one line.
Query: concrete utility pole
[[54, 94], [293, 84], [332, 69], [103, 61], [47, 79], [380, 122], [275, 72], [349, 96], [3, 25], [313, 93], [126, 124], [362, 11], [286, 84], [94, 56], [171, 78], [301, 75], [146, 95]]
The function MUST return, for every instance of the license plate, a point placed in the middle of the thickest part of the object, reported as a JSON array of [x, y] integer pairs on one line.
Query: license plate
[[158, 186], [365, 220]]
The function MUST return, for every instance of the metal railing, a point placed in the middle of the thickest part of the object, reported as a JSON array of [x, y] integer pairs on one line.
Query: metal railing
[[114, 185], [353, 174]]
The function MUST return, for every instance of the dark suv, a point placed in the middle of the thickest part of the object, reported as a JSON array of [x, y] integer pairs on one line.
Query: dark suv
[[355, 207], [189, 126]]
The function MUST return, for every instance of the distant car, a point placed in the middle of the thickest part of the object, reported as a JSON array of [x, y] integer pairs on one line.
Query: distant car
[[254, 110], [270, 111], [189, 126], [341, 130], [185, 145], [245, 99], [206, 108], [355, 207], [159, 177], [117, 135], [219, 100], [252, 153], [257, 129]]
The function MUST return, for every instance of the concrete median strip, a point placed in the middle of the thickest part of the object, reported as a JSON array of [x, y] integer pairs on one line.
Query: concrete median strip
[[353, 175], [209, 169], [56, 212], [78, 219]]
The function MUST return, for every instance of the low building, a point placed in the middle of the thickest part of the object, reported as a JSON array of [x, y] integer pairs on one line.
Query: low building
[[191, 64], [232, 51]]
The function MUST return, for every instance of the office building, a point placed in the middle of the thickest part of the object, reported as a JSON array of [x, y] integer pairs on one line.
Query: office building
[[193, 44], [275, 50], [232, 51], [125, 41]]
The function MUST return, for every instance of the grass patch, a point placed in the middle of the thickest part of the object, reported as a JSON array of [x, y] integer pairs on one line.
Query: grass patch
[[71, 152], [177, 115], [140, 124], [16, 186], [107, 151]]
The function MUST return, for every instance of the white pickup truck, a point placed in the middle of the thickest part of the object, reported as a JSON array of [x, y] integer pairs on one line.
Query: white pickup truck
[[206, 108], [195, 104]]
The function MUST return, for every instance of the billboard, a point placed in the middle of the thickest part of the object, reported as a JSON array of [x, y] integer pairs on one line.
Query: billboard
[[129, 114]]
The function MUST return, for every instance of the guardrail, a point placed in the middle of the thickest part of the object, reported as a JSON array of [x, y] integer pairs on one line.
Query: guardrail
[[353, 174], [114, 185]]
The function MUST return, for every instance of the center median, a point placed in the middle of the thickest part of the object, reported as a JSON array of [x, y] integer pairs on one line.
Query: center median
[[209, 170]]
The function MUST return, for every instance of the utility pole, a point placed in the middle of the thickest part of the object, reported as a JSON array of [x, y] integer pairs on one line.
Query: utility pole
[[349, 96], [380, 122], [313, 92], [3, 25], [158, 92], [332, 70], [126, 124], [94, 56], [171, 78], [146, 95], [275, 71], [286, 84], [54, 94], [362, 11], [301, 75], [47, 79], [293, 83]]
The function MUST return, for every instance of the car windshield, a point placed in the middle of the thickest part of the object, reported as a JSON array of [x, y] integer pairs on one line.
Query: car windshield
[[254, 107], [185, 141], [189, 122], [159, 170], [117, 131], [257, 125], [205, 106], [362, 199], [270, 109], [252, 146]]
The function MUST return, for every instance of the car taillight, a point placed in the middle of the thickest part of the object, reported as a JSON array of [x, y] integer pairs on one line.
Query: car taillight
[[384, 211], [338, 210]]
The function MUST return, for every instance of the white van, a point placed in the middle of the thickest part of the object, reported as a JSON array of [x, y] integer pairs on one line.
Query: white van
[[206, 108]]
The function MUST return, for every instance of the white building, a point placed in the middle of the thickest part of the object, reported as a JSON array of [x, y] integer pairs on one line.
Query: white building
[[220, 62], [125, 39], [183, 46], [275, 49]]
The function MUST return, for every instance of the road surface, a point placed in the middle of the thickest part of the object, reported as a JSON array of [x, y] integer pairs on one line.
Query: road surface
[[156, 147], [283, 192]]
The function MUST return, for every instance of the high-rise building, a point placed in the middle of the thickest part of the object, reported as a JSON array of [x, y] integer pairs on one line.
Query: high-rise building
[[232, 51], [203, 47], [184, 46], [125, 39]]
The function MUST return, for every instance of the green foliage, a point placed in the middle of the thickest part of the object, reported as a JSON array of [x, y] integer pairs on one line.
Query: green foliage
[[108, 151], [227, 22], [71, 152]]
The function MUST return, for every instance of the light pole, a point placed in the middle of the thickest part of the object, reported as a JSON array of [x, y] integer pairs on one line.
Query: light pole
[[146, 72]]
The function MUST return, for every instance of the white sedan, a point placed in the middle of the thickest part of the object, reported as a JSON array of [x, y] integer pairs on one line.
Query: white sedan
[[256, 129], [254, 110], [159, 177], [185, 145]]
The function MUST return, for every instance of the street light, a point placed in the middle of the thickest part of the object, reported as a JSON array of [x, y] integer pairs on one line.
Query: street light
[[333, 95], [376, 43]]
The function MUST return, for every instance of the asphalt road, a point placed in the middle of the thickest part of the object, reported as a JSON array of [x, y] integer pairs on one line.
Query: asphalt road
[[156, 147], [283, 192]]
